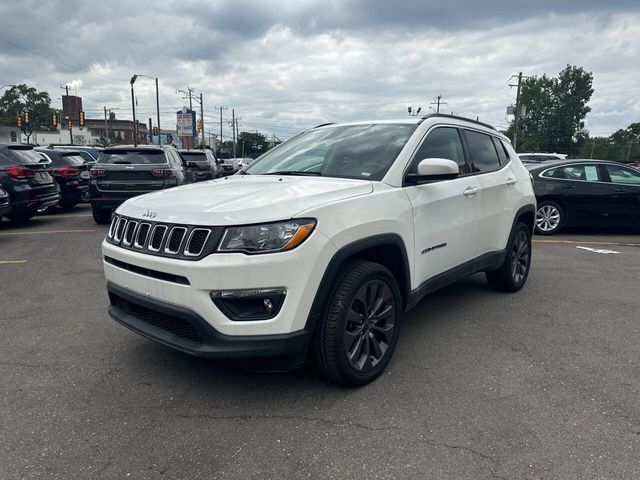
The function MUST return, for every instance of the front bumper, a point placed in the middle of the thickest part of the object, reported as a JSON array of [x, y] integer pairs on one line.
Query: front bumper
[[185, 330], [188, 284]]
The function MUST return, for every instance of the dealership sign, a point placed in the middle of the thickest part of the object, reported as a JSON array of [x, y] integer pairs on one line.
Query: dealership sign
[[186, 123]]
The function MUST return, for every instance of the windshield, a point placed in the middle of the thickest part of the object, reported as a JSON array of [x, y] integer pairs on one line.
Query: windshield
[[137, 157], [351, 151]]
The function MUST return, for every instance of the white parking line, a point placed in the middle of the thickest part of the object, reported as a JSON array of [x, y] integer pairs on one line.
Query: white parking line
[[573, 242], [11, 262]]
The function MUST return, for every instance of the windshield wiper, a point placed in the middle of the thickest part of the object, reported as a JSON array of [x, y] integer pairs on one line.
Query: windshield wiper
[[295, 172]]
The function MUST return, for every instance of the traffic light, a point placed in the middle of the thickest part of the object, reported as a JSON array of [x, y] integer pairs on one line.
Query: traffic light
[[26, 117], [69, 124], [19, 119], [54, 120], [81, 120], [199, 125], [155, 131]]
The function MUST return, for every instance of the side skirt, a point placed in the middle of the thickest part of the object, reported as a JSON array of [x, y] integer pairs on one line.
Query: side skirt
[[484, 263]]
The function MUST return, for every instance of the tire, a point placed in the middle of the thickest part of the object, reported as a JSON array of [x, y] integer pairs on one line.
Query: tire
[[513, 273], [100, 215], [549, 218], [20, 218], [349, 318]]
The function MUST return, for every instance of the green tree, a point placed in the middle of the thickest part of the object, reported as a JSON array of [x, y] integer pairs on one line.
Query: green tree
[[252, 144], [22, 98], [554, 109], [623, 145]]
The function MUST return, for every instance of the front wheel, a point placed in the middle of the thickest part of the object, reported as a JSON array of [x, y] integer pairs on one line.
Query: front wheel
[[101, 215], [549, 218], [359, 329], [513, 273]]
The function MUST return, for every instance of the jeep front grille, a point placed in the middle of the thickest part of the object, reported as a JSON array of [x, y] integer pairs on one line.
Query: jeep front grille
[[164, 239]]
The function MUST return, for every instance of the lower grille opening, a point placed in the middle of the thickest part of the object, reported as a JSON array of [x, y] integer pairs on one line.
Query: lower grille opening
[[147, 272], [177, 326]]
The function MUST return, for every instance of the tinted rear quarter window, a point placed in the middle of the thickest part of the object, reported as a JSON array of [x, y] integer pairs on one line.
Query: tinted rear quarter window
[[483, 153]]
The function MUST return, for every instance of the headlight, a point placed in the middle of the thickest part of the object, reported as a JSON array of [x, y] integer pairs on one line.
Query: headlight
[[269, 237]]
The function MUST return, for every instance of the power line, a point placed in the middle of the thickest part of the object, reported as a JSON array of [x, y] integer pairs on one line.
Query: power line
[[61, 63]]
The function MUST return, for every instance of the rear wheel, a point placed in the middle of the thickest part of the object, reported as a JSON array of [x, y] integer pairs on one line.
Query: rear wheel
[[359, 329], [513, 273], [100, 215], [549, 218]]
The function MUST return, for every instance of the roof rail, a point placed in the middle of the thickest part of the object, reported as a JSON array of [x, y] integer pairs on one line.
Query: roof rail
[[323, 125], [457, 117]]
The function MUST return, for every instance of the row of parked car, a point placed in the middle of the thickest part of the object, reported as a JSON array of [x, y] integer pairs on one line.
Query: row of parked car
[[36, 179]]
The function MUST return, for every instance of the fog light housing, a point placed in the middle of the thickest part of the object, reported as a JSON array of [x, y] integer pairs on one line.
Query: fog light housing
[[250, 304]]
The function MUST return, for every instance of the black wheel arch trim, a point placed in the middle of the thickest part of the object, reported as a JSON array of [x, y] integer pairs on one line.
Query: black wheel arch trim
[[350, 251]]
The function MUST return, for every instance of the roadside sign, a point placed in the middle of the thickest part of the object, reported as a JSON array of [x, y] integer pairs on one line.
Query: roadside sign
[[185, 123]]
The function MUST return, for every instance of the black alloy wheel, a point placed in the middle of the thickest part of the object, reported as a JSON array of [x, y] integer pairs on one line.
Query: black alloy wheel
[[514, 271], [520, 255], [358, 332], [370, 325]]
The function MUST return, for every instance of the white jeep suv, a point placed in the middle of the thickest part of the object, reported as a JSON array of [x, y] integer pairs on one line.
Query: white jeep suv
[[319, 245]]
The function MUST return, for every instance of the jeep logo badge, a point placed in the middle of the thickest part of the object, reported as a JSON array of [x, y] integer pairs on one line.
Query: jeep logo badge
[[150, 214]]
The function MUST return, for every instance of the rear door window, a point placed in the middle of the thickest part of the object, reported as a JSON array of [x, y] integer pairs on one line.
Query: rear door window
[[619, 174], [134, 157], [484, 157]]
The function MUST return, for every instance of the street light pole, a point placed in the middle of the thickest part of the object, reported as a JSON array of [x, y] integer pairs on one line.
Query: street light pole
[[133, 108]]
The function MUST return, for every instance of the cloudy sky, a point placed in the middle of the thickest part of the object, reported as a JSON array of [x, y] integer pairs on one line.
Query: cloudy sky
[[285, 65]]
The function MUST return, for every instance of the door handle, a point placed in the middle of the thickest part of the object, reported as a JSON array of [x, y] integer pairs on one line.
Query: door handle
[[470, 191], [511, 181], [618, 190], [567, 187]]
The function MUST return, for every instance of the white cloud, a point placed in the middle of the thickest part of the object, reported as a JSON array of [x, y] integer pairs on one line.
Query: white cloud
[[285, 66]]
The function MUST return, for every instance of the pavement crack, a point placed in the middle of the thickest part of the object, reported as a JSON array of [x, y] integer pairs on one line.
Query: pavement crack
[[459, 447], [333, 423], [28, 365]]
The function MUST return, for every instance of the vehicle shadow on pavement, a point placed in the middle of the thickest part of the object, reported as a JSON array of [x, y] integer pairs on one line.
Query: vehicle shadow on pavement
[[167, 365]]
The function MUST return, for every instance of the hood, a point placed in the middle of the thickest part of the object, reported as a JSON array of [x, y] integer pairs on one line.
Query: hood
[[242, 199]]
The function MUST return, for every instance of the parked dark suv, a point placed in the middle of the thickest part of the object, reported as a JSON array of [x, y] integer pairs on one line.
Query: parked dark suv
[[201, 164], [126, 171], [71, 172], [25, 175]]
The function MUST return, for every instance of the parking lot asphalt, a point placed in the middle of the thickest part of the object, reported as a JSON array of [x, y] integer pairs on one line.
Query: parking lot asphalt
[[541, 384]]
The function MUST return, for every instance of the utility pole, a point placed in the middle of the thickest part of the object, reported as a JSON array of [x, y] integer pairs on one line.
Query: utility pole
[[221, 108], [233, 129], [437, 103], [151, 131], [106, 134], [202, 119], [158, 114], [133, 109], [237, 134], [516, 113]]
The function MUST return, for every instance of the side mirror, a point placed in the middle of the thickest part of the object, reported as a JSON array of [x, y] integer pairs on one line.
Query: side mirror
[[219, 161], [192, 164], [434, 169]]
